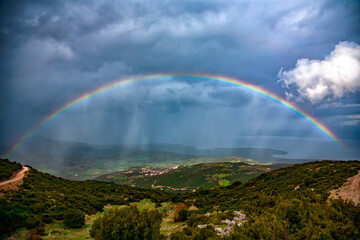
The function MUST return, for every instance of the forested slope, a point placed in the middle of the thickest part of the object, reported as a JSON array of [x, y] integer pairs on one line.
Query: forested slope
[[43, 197], [289, 203]]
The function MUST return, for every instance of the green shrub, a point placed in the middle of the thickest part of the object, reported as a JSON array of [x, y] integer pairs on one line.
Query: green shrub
[[180, 212], [206, 233], [182, 215], [127, 223], [196, 219], [11, 218], [74, 218], [46, 218]]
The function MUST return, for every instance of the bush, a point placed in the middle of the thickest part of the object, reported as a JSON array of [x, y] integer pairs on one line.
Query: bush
[[127, 223], [46, 218], [182, 215], [206, 233], [180, 212], [10, 218], [196, 219], [234, 184], [74, 218]]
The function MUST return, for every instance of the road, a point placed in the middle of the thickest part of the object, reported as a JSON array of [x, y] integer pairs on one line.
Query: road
[[19, 176]]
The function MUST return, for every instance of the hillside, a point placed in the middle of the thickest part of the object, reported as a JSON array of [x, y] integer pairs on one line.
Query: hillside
[[43, 196], [8, 169], [287, 203], [314, 179], [190, 178]]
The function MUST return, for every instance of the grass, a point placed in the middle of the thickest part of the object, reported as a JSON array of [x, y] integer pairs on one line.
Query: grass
[[224, 182], [58, 231], [168, 226], [145, 204], [120, 178], [222, 175]]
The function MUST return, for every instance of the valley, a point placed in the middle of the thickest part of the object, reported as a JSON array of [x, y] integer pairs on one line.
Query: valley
[[81, 161], [191, 177]]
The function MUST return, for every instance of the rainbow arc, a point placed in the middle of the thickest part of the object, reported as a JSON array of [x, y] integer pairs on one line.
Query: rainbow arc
[[215, 78]]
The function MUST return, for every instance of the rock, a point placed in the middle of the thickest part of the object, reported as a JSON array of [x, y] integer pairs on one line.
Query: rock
[[202, 226]]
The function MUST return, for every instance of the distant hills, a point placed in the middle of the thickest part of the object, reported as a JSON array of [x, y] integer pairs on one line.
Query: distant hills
[[74, 160], [259, 154]]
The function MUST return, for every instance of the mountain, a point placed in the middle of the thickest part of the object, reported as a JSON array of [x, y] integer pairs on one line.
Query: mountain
[[259, 154]]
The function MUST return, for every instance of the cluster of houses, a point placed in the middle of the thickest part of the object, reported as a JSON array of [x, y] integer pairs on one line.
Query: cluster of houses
[[238, 219], [154, 172]]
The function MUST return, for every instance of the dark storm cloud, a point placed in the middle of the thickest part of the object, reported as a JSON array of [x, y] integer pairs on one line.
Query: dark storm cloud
[[54, 51], [153, 36]]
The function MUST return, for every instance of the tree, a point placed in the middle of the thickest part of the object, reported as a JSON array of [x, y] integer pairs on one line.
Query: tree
[[74, 218], [180, 212], [127, 223]]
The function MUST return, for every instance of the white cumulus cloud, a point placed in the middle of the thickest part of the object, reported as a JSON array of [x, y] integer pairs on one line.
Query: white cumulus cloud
[[331, 78]]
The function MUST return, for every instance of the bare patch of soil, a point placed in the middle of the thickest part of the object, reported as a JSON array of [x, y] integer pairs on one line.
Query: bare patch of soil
[[349, 191], [14, 181]]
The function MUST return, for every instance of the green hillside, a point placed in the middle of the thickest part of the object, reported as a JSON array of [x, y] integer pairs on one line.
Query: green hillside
[[287, 203], [312, 180], [189, 178], [45, 197]]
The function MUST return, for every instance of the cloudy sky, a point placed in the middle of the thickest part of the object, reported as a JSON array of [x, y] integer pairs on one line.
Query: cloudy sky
[[305, 51]]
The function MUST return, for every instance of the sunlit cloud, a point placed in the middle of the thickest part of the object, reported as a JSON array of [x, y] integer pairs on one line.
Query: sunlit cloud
[[332, 78]]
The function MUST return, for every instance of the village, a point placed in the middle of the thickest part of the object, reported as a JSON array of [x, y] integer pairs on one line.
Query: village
[[146, 171], [154, 172]]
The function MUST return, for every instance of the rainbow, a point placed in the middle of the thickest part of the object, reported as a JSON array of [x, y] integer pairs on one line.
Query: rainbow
[[216, 78]]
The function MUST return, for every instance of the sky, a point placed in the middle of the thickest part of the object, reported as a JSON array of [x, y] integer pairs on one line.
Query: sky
[[304, 51]]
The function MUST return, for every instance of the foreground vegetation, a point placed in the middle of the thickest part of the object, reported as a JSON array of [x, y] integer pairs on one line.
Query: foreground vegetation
[[288, 203], [127, 223], [43, 198]]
